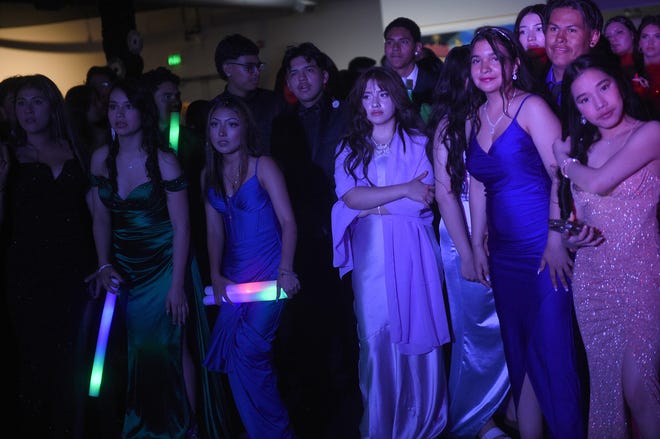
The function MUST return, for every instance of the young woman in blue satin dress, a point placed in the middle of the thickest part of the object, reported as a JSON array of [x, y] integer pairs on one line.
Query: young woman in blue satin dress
[[478, 380], [513, 193], [141, 230], [251, 234]]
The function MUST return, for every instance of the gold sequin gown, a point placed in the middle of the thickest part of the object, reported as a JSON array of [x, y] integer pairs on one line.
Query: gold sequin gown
[[617, 296]]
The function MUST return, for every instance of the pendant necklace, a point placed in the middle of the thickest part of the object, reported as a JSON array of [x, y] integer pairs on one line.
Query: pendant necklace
[[233, 182], [628, 133], [381, 148], [499, 119], [134, 162]]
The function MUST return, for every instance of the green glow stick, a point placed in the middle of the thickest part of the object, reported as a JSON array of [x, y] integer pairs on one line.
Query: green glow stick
[[102, 344], [175, 119]]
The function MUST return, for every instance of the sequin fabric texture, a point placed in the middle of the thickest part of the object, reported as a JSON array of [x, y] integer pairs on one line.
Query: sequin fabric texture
[[616, 288]]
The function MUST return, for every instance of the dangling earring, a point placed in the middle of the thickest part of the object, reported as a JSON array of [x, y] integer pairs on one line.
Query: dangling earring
[[583, 120], [515, 75], [113, 133]]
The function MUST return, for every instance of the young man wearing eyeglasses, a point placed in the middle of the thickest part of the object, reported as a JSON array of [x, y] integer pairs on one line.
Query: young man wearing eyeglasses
[[237, 61]]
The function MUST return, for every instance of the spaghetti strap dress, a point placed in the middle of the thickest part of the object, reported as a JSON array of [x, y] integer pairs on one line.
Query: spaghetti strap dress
[[242, 339], [537, 322]]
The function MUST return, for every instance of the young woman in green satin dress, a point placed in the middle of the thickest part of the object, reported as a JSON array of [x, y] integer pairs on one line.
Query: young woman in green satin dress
[[142, 233]]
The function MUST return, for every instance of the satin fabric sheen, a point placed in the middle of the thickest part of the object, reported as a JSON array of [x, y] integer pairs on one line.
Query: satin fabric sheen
[[243, 333], [156, 403], [397, 282], [537, 322], [478, 380]]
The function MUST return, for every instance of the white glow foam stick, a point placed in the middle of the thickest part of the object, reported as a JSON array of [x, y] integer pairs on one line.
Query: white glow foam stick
[[247, 292], [102, 344]]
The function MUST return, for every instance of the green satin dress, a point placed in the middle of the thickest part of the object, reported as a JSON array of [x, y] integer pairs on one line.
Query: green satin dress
[[156, 402]]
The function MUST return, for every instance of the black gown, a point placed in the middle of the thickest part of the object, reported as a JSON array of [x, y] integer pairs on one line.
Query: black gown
[[49, 251]]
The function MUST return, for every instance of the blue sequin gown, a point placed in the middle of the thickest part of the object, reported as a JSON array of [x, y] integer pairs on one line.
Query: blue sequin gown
[[243, 335], [537, 322], [142, 239]]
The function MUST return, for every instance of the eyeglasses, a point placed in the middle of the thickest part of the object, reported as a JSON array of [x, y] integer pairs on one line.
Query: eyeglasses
[[250, 67]]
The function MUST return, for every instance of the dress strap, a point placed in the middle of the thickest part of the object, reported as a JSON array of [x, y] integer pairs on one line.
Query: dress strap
[[521, 105], [256, 166]]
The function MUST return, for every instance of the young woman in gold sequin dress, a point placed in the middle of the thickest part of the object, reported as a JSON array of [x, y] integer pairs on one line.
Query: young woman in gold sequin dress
[[614, 177]]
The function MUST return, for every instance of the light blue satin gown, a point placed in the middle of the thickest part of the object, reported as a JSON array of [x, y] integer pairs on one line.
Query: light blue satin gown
[[478, 377]]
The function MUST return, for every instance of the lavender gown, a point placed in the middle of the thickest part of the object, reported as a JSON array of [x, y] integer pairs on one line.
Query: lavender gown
[[397, 280]]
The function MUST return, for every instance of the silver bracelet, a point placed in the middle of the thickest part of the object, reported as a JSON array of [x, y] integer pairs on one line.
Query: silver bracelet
[[565, 163], [103, 267]]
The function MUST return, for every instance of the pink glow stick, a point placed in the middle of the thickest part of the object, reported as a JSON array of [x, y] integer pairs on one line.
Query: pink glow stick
[[247, 292]]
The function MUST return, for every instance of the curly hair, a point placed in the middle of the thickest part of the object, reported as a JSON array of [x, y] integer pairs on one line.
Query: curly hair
[[361, 150]]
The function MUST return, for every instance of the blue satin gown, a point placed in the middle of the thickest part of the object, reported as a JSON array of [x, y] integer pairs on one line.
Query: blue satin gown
[[243, 335], [537, 322]]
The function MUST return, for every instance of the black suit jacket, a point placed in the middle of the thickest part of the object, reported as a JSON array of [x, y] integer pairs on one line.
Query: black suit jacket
[[423, 91], [304, 142]]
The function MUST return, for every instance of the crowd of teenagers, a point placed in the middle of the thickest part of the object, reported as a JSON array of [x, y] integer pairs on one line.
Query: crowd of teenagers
[[466, 248]]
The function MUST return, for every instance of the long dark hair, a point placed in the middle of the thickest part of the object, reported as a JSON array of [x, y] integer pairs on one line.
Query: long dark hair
[[59, 126], [646, 21], [583, 135], [139, 95], [361, 150], [213, 172], [452, 103], [508, 49], [538, 9]]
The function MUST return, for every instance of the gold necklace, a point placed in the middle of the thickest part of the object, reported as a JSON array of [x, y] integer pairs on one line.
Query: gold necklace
[[499, 119]]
